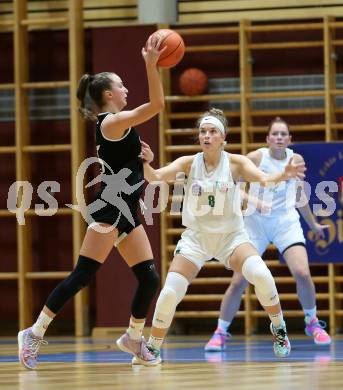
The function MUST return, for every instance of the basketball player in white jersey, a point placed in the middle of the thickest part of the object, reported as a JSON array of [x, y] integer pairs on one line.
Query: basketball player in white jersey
[[280, 226], [214, 226]]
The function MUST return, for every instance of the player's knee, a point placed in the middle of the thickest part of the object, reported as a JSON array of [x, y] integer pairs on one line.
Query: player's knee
[[238, 284], [302, 274], [256, 272], [82, 274], [148, 283], [167, 300], [154, 282], [264, 279], [171, 295], [147, 276], [179, 283], [165, 308]]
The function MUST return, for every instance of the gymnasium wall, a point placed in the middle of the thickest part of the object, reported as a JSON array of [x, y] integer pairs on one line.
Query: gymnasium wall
[[51, 237]]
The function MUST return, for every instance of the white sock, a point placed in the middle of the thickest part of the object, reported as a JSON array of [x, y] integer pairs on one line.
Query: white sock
[[310, 314], [135, 329], [276, 319], [223, 325], [155, 342], [41, 325]]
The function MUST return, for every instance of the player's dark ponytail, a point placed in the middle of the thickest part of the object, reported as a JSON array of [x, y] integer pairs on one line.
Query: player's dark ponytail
[[82, 91], [90, 90]]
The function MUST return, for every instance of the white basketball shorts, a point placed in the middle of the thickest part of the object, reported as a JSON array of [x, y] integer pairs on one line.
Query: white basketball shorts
[[199, 247]]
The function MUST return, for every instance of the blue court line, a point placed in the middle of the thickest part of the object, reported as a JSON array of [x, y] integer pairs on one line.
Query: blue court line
[[257, 351]]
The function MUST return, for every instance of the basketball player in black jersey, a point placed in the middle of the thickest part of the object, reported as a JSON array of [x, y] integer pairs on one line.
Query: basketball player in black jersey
[[118, 148]]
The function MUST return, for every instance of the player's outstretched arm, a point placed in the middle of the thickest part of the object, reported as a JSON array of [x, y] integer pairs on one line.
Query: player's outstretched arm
[[249, 172]]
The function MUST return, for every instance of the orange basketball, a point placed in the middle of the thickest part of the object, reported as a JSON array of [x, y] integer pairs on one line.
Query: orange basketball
[[175, 48], [193, 81]]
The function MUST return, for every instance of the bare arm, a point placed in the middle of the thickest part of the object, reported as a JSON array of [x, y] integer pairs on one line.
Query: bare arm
[[114, 125], [245, 168], [260, 205], [311, 221], [306, 212], [169, 172]]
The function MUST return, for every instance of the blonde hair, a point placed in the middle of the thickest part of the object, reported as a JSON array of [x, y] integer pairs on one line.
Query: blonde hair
[[219, 114]]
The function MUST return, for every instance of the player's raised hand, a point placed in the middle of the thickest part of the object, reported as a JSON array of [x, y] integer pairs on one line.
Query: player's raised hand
[[152, 51], [294, 170]]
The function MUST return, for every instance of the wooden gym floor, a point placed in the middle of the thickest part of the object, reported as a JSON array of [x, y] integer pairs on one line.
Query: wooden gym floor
[[246, 364]]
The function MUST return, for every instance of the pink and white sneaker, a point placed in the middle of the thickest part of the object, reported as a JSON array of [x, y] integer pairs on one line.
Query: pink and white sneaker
[[217, 341], [139, 349], [156, 352], [29, 345], [315, 329]]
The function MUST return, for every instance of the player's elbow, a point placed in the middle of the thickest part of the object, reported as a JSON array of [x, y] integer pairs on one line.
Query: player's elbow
[[158, 105]]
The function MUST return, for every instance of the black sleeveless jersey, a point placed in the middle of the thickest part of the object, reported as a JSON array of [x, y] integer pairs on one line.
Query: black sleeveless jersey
[[120, 153]]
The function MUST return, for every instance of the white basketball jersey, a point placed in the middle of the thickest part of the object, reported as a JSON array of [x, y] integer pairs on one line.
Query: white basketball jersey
[[282, 196], [212, 200]]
